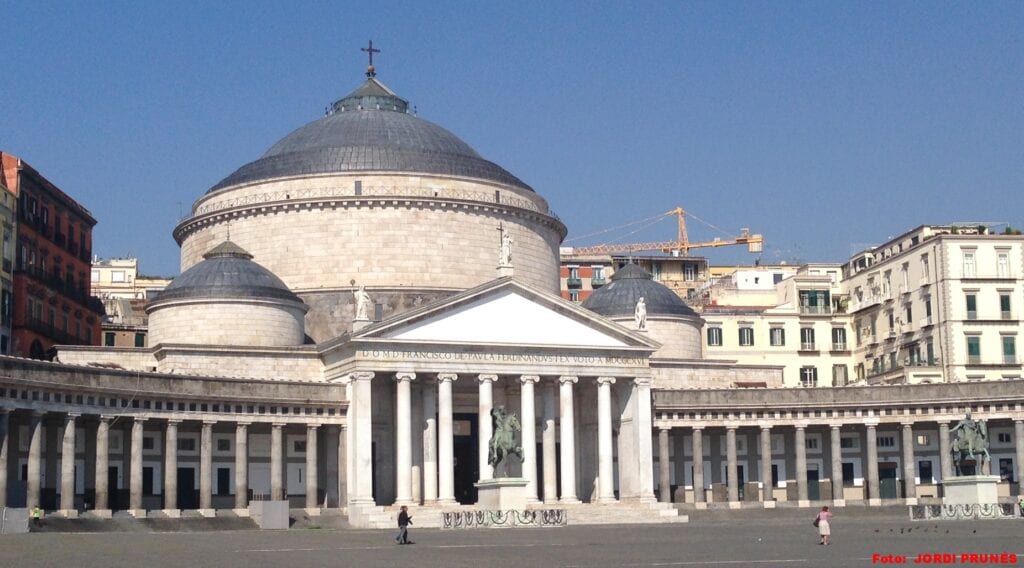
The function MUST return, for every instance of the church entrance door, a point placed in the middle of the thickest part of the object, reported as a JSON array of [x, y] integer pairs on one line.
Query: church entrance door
[[467, 465]]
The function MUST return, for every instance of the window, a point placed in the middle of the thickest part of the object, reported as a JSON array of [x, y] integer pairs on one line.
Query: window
[[929, 350], [140, 339], [117, 275], [807, 338], [809, 376], [95, 276], [848, 443], [1003, 265], [815, 302], [689, 272], [714, 336], [969, 271], [924, 471], [972, 306], [186, 444], [908, 313], [598, 272], [574, 296], [746, 336], [1004, 438], [147, 443], [223, 445], [928, 308], [811, 443], [777, 335], [973, 349], [1004, 305], [299, 447], [1006, 469], [925, 275], [847, 474], [838, 339], [108, 339], [923, 440], [839, 375], [574, 272], [886, 441], [1010, 349]]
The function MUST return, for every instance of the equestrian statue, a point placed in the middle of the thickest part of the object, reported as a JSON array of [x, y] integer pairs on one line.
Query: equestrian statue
[[971, 443], [503, 437]]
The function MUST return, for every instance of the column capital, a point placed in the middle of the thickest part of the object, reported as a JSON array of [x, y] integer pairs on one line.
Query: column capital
[[361, 376], [664, 428], [643, 381], [210, 423], [38, 414], [138, 420], [529, 379], [242, 423], [405, 376], [447, 377], [174, 421], [107, 417], [731, 427], [606, 380], [564, 379], [310, 427], [907, 425], [835, 426], [800, 425], [70, 416], [486, 378], [699, 428], [871, 425], [277, 425], [764, 426]]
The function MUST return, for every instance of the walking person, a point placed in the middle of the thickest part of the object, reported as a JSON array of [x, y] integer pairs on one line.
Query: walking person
[[404, 520], [821, 520]]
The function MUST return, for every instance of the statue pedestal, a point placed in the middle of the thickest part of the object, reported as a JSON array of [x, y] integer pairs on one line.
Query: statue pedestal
[[501, 494], [360, 324], [505, 270], [970, 490]]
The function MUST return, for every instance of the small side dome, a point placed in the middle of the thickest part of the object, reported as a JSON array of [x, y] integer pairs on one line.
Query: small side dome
[[227, 299], [227, 272], [627, 286]]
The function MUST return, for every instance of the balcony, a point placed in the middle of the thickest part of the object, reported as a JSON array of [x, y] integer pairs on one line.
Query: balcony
[[807, 346], [974, 359], [972, 314], [815, 310], [573, 282], [864, 303], [891, 334], [925, 322], [840, 346], [1007, 315], [49, 330], [597, 281], [57, 284], [924, 282]]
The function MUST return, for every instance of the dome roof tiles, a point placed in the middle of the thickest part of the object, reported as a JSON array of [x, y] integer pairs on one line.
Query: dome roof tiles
[[627, 286]]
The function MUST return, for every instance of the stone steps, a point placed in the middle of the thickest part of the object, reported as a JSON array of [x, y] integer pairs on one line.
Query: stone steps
[[630, 512]]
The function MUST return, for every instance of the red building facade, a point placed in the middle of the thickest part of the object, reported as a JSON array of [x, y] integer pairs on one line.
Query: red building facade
[[52, 303]]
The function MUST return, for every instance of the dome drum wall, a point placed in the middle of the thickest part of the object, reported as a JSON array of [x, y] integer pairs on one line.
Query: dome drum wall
[[331, 313], [220, 321], [680, 336], [419, 244]]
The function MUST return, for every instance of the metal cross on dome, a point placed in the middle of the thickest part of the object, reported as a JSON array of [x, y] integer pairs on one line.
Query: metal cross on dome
[[370, 50]]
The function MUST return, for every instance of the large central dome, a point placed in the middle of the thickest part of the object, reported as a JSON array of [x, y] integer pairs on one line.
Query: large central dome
[[370, 130]]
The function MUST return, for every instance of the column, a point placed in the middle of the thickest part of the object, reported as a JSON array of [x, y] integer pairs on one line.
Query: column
[[242, 466], [567, 430], [529, 433], [135, 481], [67, 468], [838, 498], [484, 425], [417, 445], [800, 441], [445, 450], [102, 505], [343, 479], [206, 468], [605, 457], [403, 438], [872, 466], [1018, 438], [645, 438], [361, 465], [767, 487], [276, 462], [35, 453], [945, 460], [312, 475], [698, 467], [909, 465], [171, 466], [429, 444], [664, 474], [350, 426], [731, 473], [5, 425], [548, 445]]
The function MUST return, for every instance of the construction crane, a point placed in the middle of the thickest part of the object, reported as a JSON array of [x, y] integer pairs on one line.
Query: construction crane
[[682, 245]]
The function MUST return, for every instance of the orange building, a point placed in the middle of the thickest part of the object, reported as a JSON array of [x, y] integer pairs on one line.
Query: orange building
[[52, 303]]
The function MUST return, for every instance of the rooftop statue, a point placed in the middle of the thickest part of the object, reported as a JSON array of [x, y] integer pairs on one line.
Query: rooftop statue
[[363, 303], [971, 443], [640, 314]]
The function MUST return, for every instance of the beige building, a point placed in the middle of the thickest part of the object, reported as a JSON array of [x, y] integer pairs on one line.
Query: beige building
[[124, 293]]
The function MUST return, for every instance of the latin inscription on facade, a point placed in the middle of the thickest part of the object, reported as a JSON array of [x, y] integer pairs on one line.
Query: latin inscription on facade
[[459, 356]]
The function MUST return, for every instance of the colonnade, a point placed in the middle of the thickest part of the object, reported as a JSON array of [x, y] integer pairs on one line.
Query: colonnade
[[908, 457]]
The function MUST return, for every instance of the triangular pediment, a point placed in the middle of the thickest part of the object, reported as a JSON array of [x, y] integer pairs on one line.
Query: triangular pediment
[[506, 312]]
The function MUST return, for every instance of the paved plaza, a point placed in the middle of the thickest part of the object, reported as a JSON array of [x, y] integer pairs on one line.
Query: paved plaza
[[737, 538]]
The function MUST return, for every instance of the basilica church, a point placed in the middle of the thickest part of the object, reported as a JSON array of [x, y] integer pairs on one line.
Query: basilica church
[[354, 303]]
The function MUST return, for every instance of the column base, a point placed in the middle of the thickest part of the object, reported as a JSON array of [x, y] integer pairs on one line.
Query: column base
[[735, 504], [651, 499], [171, 513], [447, 502], [768, 504], [803, 503], [137, 513], [99, 514], [208, 513], [366, 502], [700, 505], [911, 500], [313, 511], [241, 512], [607, 500], [569, 501], [874, 502], [68, 513], [839, 502]]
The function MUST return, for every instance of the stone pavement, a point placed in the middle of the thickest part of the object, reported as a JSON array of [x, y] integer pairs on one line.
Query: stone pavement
[[762, 539]]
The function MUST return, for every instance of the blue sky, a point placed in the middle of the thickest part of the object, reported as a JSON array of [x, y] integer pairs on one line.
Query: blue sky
[[826, 126]]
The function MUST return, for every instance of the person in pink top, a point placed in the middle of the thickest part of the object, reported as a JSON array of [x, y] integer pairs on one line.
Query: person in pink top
[[822, 522]]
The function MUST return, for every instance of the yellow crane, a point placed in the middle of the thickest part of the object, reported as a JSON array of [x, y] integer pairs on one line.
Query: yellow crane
[[682, 245]]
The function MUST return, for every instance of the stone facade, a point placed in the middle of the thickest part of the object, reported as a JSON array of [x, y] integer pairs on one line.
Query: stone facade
[[253, 323]]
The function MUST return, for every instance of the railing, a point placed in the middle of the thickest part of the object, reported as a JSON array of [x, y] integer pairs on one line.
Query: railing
[[972, 314], [864, 303], [56, 283], [923, 282], [891, 334], [573, 282], [1009, 359], [807, 346], [1007, 315], [925, 322], [51, 331], [597, 281], [841, 346], [816, 310], [974, 359]]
